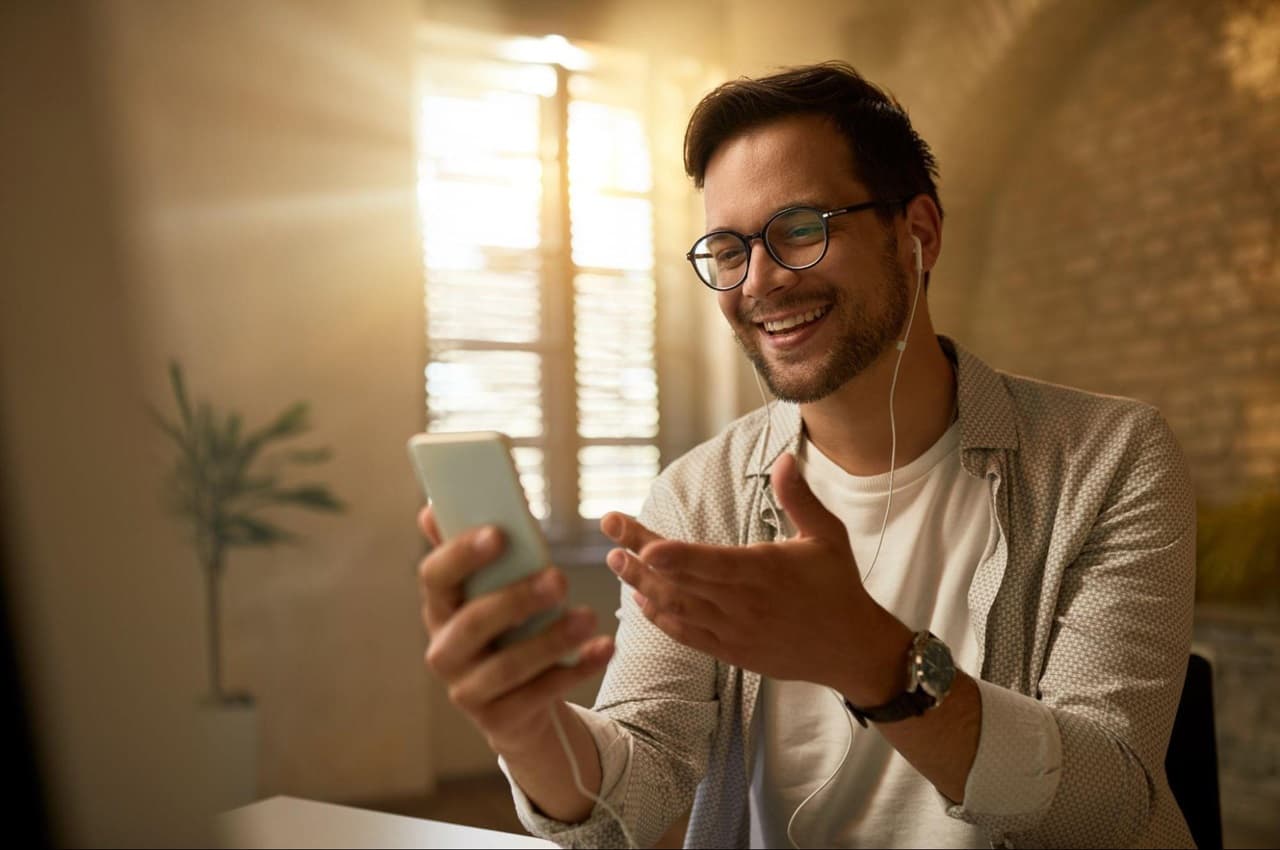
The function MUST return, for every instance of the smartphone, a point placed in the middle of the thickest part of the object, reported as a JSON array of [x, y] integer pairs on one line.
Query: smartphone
[[470, 480]]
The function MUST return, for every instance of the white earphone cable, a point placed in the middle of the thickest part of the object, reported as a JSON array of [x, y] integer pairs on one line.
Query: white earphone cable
[[893, 423], [577, 780], [764, 449]]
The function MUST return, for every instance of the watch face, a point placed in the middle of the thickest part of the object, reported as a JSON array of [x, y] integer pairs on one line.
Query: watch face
[[936, 670]]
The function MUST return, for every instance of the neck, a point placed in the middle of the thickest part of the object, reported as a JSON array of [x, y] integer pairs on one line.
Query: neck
[[851, 426]]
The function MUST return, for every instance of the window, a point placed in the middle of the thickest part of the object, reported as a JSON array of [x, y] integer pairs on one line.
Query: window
[[536, 192]]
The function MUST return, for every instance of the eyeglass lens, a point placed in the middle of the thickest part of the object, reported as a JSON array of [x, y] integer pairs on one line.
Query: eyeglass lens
[[796, 238]]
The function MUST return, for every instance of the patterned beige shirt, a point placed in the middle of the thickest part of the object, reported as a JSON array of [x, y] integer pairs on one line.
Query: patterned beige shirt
[[1082, 612]]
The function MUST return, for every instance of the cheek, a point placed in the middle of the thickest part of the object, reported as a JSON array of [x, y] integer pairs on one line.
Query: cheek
[[729, 302]]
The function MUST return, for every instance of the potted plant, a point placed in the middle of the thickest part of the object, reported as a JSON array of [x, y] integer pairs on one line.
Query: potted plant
[[222, 481]]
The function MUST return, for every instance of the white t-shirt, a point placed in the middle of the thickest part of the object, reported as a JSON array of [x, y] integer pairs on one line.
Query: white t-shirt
[[940, 528]]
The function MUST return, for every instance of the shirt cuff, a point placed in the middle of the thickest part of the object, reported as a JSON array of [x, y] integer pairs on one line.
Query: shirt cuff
[[1016, 770], [615, 762]]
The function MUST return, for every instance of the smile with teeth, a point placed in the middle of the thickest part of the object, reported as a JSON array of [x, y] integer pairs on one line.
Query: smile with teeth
[[790, 322]]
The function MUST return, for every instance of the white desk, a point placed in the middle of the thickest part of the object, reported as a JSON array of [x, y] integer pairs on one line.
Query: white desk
[[292, 822]]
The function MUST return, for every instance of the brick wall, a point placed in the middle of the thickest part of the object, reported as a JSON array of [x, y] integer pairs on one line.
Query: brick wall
[[1134, 239], [1112, 173]]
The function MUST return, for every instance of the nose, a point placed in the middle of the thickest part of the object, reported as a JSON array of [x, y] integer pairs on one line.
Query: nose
[[766, 277]]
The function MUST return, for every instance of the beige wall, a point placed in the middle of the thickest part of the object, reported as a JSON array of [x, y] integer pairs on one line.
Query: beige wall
[[1134, 242], [233, 185], [268, 169], [104, 601]]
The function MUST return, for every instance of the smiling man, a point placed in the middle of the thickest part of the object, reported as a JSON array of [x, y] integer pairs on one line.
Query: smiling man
[[913, 602]]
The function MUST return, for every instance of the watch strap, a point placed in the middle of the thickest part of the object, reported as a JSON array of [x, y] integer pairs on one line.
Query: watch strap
[[904, 705], [912, 702]]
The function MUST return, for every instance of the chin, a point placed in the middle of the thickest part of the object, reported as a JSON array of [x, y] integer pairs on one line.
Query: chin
[[800, 385]]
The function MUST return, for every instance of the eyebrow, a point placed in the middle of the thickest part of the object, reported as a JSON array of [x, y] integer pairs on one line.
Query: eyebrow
[[799, 202]]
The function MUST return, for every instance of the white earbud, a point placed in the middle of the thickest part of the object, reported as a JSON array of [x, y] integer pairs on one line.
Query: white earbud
[[918, 252]]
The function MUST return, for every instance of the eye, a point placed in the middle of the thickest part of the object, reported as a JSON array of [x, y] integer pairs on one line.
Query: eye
[[804, 231], [797, 227], [725, 250], [729, 257]]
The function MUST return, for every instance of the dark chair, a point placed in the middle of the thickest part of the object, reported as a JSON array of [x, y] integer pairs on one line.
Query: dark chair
[[1192, 760]]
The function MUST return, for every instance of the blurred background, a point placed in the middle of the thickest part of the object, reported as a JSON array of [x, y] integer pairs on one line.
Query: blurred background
[[454, 215]]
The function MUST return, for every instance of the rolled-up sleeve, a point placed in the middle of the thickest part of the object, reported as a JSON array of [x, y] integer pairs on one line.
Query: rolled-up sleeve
[[1018, 765], [615, 758]]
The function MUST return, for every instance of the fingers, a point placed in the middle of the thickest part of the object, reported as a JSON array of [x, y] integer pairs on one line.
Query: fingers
[[688, 600], [689, 560], [505, 692], [460, 641], [804, 510], [698, 562], [427, 525], [523, 706], [516, 665], [442, 573], [626, 531]]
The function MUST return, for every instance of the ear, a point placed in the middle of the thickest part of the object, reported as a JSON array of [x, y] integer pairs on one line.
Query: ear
[[924, 221]]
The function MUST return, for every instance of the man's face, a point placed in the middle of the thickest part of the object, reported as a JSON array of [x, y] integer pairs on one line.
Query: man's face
[[857, 295]]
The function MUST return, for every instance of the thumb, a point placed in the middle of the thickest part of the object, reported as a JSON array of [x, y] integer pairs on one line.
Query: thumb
[[808, 515]]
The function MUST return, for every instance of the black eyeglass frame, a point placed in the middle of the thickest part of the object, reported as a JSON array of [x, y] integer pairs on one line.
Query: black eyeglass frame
[[747, 239]]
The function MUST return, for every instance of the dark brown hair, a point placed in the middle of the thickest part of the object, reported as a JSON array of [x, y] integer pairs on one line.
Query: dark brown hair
[[888, 156]]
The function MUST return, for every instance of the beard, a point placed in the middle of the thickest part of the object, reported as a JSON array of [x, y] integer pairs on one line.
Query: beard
[[862, 335]]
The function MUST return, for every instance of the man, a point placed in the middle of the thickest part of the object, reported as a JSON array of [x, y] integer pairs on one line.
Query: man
[[993, 657]]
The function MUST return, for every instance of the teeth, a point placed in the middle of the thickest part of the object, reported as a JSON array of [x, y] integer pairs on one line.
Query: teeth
[[792, 321]]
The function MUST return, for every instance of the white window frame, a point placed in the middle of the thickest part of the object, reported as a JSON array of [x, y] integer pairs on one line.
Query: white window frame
[[678, 353]]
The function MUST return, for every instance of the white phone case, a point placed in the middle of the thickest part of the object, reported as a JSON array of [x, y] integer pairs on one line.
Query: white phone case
[[471, 480]]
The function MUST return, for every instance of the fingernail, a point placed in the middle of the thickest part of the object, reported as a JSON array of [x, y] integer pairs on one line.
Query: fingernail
[[616, 559], [547, 585], [612, 525], [486, 541], [580, 626]]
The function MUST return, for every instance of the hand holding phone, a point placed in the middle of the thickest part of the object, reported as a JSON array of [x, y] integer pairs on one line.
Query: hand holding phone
[[471, 481], [492, 606], [500, 640]]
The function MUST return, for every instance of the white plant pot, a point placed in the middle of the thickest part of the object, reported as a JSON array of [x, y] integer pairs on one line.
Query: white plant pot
[[231, 739]]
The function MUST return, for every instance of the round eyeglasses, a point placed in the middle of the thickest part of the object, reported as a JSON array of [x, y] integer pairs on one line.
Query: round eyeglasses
[[795, 237]]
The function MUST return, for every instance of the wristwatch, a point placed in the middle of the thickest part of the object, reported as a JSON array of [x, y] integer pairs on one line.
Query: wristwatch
[[930, 672]]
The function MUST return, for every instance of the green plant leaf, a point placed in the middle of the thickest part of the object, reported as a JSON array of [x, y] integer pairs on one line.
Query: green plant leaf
[[213, 485], [314, 496], [229, 440], [167, 427], [228, 470], [180, 392], [244, 530], [293, 420], [206, 433], [247, 486], [310, 456]]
